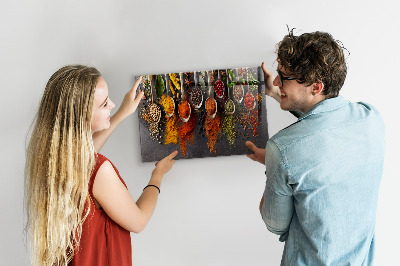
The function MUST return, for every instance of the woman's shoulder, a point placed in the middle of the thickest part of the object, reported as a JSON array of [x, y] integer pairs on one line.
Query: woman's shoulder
[[106, 168]]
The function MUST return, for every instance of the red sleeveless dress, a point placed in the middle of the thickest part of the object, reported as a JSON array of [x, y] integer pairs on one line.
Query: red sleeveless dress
[[103, 241]]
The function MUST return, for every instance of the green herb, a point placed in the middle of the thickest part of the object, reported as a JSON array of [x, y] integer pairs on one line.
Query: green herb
[[160, 86]]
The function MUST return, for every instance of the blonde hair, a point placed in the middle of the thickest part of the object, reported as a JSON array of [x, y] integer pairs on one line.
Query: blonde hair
[[59, 162]]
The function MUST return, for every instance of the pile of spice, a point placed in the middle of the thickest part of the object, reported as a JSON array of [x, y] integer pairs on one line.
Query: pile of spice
[[201, 79], [238, 93], [254, 122], [171, 131], [186, 131], [219, 88], [223, 75], [259, 98], [154, 132], [146, 85], [144, 114], [212, 74], [153, 116], [212, 127], [174, 85], [248, 121], [249, 101], [211, 106], [171, 86], [184, 110], [154, 112], [228, 129], [175, 80], [168, 103], [229, 106], [242, 73], [188, 81], [197, 97]]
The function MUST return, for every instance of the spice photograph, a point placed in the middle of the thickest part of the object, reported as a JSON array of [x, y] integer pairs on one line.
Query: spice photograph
[[205, 113]]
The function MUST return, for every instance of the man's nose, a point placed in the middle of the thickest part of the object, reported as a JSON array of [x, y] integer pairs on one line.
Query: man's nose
[[277, 81]]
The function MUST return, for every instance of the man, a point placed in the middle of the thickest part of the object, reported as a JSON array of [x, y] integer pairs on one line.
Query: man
[[323, 171]]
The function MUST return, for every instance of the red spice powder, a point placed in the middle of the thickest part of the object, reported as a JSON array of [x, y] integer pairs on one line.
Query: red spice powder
[[184, 109], [249, 101], [253, 121], [213, 128], [211, 107], [186, 131]]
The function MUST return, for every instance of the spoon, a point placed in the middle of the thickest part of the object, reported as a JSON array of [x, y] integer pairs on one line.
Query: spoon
[[196, 97], [219, 87], [168, 96], [210, 100], [154, 109], [183, 103], [249, 96], [229, 102], [238, 90]]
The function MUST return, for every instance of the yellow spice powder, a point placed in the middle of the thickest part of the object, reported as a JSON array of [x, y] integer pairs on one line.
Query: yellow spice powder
[[168, 104], [171, 131]]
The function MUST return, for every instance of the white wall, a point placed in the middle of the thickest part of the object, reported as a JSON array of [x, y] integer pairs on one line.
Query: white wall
[[208, 208]]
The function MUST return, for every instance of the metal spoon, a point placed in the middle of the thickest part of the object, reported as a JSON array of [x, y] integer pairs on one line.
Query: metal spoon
[[237, 89], [154, 109], [196, 90], [210, 98], [183, 102], [229, 102], [220, 83], [249, 94], [167, 95]]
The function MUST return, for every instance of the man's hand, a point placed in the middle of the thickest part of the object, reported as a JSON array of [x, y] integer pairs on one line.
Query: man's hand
[[270, 89], [258, 155]]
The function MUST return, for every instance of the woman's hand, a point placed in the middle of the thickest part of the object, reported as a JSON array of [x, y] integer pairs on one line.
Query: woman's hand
[[128, 107], [270, 89], [131, 100], [163, 166], [258, 155]]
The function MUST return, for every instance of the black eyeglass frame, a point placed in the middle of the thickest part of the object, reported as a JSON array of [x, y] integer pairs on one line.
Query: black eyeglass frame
[[282, 78]]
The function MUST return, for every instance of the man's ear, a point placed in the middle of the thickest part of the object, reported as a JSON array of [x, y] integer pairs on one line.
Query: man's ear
[[317, 88]]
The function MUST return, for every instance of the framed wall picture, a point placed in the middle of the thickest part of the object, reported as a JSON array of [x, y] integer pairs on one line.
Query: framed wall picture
[[203, 113]]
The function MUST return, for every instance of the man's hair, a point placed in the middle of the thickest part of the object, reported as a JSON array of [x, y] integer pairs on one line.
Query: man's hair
[[314, 57]]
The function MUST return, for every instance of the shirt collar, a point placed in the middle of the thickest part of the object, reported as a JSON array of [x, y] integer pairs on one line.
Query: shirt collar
[[325, 106]]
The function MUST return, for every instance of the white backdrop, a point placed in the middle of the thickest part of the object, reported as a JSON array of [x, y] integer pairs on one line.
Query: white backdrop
[[208, 208]]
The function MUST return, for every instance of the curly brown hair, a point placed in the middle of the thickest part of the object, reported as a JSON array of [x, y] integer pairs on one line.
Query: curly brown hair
[[314, 57]]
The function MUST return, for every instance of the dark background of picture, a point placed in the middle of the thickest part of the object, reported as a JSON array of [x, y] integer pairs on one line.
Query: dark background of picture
[[154, 149]]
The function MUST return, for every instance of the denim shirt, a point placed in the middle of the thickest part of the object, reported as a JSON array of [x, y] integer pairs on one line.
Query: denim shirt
[[323, 176]]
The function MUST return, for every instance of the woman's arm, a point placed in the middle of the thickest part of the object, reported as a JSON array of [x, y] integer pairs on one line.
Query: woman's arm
[[128, 107], [116, 201]]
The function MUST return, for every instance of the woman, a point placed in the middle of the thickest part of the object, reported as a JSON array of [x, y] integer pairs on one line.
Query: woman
[[78, 207]]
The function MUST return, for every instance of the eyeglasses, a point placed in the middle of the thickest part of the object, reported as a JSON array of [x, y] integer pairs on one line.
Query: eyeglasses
[[282, 78]]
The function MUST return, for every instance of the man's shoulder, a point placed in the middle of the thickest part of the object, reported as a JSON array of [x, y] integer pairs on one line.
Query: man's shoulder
[[288, 135], [320, 123]]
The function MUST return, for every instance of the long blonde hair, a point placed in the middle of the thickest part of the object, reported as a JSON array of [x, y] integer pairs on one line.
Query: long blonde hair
[[59, 161]]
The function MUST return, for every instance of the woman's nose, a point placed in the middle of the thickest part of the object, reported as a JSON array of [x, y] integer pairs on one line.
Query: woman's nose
[[112, 105]]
